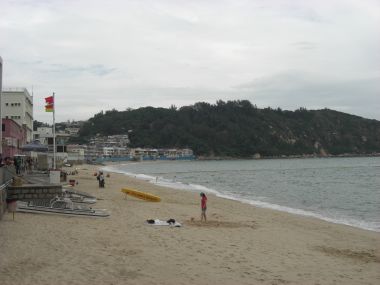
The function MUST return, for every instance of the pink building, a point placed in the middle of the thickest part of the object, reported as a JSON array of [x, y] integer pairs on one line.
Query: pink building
[[14, 137]]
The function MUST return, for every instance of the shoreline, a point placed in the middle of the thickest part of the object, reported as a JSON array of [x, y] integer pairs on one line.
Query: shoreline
[[180, 186], [239, 244]]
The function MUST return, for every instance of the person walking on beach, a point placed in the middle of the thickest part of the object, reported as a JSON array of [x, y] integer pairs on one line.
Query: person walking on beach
[[101, 179], [203, 206]]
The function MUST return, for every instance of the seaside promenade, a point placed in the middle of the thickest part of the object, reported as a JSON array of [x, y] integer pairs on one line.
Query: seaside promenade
[[240, 244]]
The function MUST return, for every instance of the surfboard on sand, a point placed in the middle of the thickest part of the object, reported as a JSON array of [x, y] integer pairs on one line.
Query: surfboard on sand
[[141, 195]]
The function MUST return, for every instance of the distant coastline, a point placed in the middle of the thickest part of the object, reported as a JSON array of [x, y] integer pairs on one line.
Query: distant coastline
[[112, 160], [287, 156]]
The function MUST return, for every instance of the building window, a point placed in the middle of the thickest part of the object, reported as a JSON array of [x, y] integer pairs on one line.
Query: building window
[[6, 104], [61, 148], [3, 127]]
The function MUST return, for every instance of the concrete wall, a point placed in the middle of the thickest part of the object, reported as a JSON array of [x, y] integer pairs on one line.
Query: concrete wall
[[6, 175], [3, 202], [34, 192]]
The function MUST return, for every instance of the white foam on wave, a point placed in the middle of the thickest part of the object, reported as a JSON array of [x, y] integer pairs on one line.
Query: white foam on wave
[[336, 220], [161, 181]]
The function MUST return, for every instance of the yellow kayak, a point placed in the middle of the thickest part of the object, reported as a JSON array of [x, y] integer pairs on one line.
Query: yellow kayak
[[141, 195]]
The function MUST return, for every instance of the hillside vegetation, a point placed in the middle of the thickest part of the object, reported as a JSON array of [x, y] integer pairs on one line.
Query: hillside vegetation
[[239, 129]]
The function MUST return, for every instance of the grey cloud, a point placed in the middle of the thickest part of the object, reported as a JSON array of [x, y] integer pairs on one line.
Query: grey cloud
[[66, 70], [136, 53], [305, 45], [291, 90]]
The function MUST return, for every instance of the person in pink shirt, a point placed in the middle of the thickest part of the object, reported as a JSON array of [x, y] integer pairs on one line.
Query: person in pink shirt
[[203, 206]]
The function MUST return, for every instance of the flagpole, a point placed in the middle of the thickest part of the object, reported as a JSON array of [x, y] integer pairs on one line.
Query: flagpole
[[54, 162]]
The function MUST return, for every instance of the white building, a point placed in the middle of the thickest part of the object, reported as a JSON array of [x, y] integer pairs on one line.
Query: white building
[[42, 134], [17, 104], [75, 153], [108, 151], [45, 136], [73, 131]]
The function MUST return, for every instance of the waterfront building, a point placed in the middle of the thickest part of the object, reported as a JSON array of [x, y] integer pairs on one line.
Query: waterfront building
[[14, 137], [17, 104], [91, 152], [45, 136], [75, 153], [108, 151]]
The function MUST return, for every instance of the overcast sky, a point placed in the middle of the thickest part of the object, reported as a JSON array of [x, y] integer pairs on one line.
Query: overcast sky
[[99, 55]]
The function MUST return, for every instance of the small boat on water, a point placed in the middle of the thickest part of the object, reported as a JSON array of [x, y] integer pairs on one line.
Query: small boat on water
[[60, 205]]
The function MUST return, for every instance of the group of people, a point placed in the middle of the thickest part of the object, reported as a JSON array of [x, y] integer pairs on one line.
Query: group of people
[[21, 163], [6, 161]]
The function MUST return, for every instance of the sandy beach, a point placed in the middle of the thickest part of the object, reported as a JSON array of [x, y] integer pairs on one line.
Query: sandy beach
[[240, 244]]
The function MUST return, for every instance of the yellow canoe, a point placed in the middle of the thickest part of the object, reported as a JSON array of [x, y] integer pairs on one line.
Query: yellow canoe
[[141, 195]]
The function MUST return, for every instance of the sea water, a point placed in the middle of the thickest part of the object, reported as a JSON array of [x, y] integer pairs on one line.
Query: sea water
[[339, 190]]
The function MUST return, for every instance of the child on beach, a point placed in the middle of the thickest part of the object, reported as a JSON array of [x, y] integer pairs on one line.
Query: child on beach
[[203, 206]]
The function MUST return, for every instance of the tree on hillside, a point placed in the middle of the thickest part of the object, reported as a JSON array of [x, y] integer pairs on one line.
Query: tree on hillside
[[239, 129]]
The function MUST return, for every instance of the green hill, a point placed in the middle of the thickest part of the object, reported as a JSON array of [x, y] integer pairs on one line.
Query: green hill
[[240, 129]]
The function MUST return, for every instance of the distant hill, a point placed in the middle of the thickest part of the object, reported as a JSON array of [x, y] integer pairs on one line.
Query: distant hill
[[240, 129]]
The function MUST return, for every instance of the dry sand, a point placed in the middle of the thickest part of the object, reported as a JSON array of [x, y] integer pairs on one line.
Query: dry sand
[[240, 244]]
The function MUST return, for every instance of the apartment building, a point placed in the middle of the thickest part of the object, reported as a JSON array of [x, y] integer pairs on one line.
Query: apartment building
[[13, 137], [17, 105]]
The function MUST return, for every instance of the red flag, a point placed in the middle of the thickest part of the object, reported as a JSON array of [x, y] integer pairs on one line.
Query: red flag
[[49, 107], [49, 100]]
